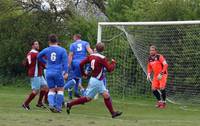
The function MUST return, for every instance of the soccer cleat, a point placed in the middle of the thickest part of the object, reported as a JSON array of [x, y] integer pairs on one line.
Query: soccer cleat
[[162, 106], [116, 114], [40, 106], [26, 107], [68, 108], [53, 109], [158, 104]]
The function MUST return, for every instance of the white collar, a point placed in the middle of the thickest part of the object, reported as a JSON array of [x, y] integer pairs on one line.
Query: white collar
[[34, 51], [98, 55]]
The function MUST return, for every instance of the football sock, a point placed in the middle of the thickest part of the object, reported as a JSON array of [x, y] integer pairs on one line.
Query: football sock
[[42, 93], [78, 101], [30, 98], [51, 98], [59, 100], [157, 95], [108, 104], [163, 95], [69, 84]]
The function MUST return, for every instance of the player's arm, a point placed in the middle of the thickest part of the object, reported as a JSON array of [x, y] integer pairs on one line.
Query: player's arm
[[65, 61], [149, 70], [70, 55], [89, 50], [164, 63], [41, 56], [65, 64], [82, 64], [109, 66]]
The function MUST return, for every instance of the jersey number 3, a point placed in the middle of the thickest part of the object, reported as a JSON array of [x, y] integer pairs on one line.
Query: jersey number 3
[[53, 56]]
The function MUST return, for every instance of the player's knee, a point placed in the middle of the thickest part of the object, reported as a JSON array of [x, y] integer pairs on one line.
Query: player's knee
[[89, 99], [106, 95], [35, 91]]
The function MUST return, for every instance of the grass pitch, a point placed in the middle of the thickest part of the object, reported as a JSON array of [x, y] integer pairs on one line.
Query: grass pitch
[[135, 113]]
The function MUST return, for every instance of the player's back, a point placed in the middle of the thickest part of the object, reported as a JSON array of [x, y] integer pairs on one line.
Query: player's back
[[79, 49], [55, 57], [98, 63]]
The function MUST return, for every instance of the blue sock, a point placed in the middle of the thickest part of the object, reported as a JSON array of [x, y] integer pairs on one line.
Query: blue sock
[[70, 93], [69, 84], [60, 100], [51, 99]]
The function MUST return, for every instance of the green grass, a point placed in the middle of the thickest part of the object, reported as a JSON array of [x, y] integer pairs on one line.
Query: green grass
[[135, 113]]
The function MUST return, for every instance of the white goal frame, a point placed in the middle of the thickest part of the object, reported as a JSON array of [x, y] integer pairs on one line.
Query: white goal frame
[[100, 24]]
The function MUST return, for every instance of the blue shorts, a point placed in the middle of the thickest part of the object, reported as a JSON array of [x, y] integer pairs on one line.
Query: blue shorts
[[37, 82], [54, 79], [76, 68], [95, 86]]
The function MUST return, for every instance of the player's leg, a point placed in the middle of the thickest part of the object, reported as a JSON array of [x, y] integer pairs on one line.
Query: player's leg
[[52, 91], [76, 88], [91, 91], [162, 90], [60, 92], [43, 92], [82, 89], [35, 88], [155, 87], [107, 99], [68, 86]]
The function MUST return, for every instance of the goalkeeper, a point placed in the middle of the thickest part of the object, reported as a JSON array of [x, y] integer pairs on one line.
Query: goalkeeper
[[158, 65]]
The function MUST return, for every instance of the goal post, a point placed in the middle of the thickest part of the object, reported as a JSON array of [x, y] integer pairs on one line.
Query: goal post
[[128, 43]]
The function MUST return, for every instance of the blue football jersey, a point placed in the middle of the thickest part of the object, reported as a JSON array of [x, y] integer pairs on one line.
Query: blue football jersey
[[79, 49], [55, 58]]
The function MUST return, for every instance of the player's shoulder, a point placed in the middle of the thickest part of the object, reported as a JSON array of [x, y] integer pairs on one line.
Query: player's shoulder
[[98, 55]]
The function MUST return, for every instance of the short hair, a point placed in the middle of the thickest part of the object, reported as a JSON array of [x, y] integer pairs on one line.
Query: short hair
[[100, 47], [33, 42], [53, 38], [154, 47], [78, 36]]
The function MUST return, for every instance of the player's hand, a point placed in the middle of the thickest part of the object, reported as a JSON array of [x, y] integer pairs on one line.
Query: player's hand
[[65, 76], [160, 75], [113, 60], [148, 77]]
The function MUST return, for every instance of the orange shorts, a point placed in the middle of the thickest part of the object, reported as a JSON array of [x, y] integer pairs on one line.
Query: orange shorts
[[159, 84]]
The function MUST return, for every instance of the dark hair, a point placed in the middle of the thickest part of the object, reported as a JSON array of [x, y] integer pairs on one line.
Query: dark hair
[[78, 35], [100, 47], [53, 38], [33, 42]]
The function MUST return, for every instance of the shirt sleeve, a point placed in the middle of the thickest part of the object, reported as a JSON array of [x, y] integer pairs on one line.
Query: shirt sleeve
[[164, 63], [65, 61], [71, 48], [29, 58], [109, 66], [83, 62], [149, 68], [41, 56]]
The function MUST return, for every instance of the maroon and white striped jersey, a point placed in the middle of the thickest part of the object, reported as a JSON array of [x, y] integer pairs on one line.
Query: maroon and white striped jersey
[[98, 62]]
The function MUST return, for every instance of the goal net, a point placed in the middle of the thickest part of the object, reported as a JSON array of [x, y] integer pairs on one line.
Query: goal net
[[128, 43]]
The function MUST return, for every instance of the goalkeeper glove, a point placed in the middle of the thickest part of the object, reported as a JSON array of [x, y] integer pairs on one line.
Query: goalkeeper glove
[[160, 75], [148, 77]]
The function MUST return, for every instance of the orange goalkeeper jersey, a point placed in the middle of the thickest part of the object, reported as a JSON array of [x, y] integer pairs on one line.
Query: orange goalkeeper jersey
[[157, 64]]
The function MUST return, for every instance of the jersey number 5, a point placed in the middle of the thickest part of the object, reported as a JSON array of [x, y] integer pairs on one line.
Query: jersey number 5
[[53, 56], [79, 47]]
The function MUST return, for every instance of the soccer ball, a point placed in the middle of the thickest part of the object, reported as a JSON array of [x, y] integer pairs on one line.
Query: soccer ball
[[45, 6]]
